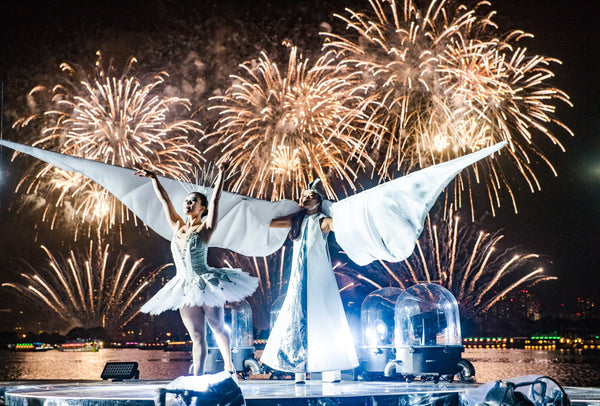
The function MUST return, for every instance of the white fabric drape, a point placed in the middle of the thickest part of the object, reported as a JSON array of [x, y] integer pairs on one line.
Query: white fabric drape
[[384, 222], [380, 223], [243, 221]]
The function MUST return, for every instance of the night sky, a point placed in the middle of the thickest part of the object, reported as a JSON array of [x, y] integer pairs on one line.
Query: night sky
[[562, 222]]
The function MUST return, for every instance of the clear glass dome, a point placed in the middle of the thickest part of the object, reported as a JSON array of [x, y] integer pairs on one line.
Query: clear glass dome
[[238, 318], [427, 315], [377, 318], [275, 308]]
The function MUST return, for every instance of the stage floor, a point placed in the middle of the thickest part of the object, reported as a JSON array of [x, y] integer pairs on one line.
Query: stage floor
[[259, 392]]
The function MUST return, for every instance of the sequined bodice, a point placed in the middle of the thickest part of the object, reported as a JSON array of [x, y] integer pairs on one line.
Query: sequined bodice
[[193, 257]]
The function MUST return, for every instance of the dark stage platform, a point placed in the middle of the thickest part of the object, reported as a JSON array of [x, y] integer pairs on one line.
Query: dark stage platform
[[258, 392]]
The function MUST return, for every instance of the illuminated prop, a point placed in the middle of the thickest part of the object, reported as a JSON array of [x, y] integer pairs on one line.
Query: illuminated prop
[[206, 390], [380, 223]]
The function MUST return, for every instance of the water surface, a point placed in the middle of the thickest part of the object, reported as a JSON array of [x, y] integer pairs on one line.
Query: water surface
[[570, 368]]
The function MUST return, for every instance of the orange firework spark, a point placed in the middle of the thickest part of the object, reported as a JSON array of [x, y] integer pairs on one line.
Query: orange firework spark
[[282, 131], [114, 119], [90, 290], [467, 262], [443, 83]]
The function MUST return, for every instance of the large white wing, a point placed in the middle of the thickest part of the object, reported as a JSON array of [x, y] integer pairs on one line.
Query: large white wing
[[243, 221], [384, 223]]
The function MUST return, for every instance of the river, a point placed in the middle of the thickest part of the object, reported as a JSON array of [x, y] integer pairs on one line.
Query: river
[[570, 368]]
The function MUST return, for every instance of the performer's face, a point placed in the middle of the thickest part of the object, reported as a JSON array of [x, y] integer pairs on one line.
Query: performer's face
[[309, 199], [192, 205]]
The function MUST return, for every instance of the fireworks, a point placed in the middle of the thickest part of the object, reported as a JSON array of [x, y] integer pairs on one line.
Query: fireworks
[[283, 131], [90, 290], [443, 84], [116, 120], [467, 262]]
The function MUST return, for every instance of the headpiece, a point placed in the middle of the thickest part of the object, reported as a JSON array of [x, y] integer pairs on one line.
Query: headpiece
[[312, 186]]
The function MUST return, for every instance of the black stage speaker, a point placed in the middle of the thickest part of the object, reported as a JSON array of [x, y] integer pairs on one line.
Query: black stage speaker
[[117, 371]]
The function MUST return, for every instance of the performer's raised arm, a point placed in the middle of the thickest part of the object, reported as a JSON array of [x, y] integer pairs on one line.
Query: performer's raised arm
[[213, 206], [170, 213]]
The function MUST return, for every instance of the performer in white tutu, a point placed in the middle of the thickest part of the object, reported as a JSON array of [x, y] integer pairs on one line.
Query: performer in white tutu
[[311, 333], [198, 291]]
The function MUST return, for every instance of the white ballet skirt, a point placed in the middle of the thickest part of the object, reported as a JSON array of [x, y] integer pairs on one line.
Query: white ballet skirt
[[196, 283], [311, 333]]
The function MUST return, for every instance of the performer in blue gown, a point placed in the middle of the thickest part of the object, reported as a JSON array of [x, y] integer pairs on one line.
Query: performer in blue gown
[[311, 333], [198, 291]]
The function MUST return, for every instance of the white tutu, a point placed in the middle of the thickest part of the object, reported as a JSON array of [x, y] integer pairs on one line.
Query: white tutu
[[197, 284], [181, 291]]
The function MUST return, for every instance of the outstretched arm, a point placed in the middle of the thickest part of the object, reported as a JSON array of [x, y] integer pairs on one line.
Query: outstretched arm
[[282, 222], [212, 215], [170, 213]]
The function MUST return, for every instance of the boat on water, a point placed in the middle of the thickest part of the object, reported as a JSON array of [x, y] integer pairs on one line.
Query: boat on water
[[81, 346], [30, 347]]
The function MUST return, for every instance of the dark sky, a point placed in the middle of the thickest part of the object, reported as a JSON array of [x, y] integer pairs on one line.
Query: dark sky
[[562, 222]]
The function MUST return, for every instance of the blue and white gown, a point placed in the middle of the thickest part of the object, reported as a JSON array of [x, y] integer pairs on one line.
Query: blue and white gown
[[196, 283], [311, 333]]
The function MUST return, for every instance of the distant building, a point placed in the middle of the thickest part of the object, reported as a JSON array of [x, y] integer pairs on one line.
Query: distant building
[[586, 308], [521, 305]]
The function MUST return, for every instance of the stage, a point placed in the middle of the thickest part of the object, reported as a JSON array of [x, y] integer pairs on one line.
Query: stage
[[257, 392]]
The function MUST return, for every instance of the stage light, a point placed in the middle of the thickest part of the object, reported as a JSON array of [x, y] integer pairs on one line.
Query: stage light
[[117, 371], [206, 390]]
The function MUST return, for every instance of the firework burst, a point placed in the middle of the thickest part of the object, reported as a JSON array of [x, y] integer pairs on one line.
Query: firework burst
[[282, 131], [89, 290], [467, 262], [444, 84], [115, 119]]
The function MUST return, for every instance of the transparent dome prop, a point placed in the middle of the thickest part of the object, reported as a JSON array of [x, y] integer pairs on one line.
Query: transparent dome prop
[[427, 332], [427, 314], [238, 320], [377, 332], [377, 318]]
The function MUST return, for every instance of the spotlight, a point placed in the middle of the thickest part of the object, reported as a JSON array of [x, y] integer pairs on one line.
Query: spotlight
[[206, 390], [117, 371]]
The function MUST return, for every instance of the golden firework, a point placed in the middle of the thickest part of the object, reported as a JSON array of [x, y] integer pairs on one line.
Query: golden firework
[[283, 130], [116, 119], [470, 263], [443, 83], [88, 290]]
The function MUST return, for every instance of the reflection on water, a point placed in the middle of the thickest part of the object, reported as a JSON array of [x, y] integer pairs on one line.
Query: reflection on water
[[153, 364], [570, 368]]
